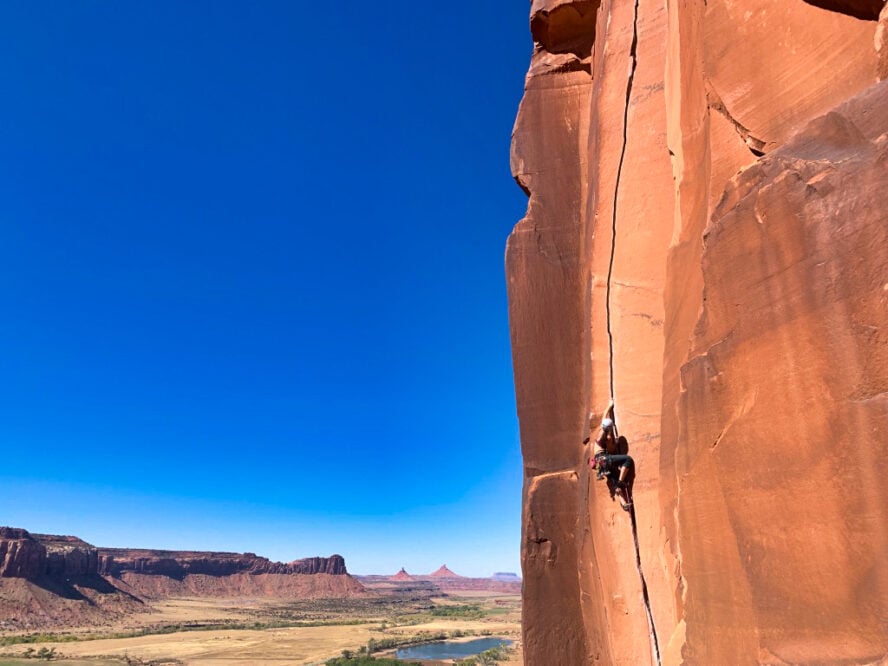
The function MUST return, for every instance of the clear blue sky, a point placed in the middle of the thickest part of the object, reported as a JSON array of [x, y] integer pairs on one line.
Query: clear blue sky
[[252, 277]]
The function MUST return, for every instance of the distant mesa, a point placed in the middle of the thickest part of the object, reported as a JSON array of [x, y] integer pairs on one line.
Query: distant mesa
[[402, 575], [506, 576], [49, 580], [444, 572], [34, 556]]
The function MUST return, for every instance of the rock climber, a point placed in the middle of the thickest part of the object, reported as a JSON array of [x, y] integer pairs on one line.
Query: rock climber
[[610, 459]]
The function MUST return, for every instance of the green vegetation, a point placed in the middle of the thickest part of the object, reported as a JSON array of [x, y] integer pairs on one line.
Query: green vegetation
[[393, 615], [467, 611], [43, 637], [374, 645], [394, 610], [371, 609], [38, 638], [362, 660]]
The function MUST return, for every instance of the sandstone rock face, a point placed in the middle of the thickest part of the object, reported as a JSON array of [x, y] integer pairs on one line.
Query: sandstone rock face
[[35, 556], [21, 556], [333, 565], [705, 242], [284, 586], [52, 581], [177, 564], [68, 556], [164, 573], [791, 349]]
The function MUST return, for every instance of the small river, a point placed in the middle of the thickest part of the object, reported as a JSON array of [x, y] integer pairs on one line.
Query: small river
[[450, 649]]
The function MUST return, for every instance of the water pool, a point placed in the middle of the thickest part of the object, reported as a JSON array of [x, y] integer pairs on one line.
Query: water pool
[[450, 649]]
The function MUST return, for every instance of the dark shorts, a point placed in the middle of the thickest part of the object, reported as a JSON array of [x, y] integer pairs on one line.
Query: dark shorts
[[611, 465]]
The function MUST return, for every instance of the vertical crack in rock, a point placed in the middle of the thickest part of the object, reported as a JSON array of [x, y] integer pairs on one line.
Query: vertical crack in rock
[[633, 64], [644, 589], [633, 60]]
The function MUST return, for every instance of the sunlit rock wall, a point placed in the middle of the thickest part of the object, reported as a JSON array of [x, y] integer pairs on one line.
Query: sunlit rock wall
[[707, 184]]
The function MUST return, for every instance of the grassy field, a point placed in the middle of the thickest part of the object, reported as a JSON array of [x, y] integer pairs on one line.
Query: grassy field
[[214, 632]]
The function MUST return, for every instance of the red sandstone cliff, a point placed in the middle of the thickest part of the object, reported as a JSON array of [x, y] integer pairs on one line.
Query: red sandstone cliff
[[706, 241], [48, 580], [161, 573], [27, 555], [176, 564], [52, 581], [21, 556]]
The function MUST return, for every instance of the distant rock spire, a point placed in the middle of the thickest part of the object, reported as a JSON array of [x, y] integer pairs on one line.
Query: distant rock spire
[[444, 572]]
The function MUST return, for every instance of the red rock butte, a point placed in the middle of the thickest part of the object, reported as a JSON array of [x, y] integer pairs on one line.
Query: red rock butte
[[443, 580], [443, 572], [706, 241]]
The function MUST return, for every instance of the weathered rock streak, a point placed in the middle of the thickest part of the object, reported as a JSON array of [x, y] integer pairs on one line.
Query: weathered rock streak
[[706, 241]]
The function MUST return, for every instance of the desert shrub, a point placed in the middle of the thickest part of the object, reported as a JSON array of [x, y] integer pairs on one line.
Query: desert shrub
[[42, 653], [37, 638], [469, 611], [375, 645]]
